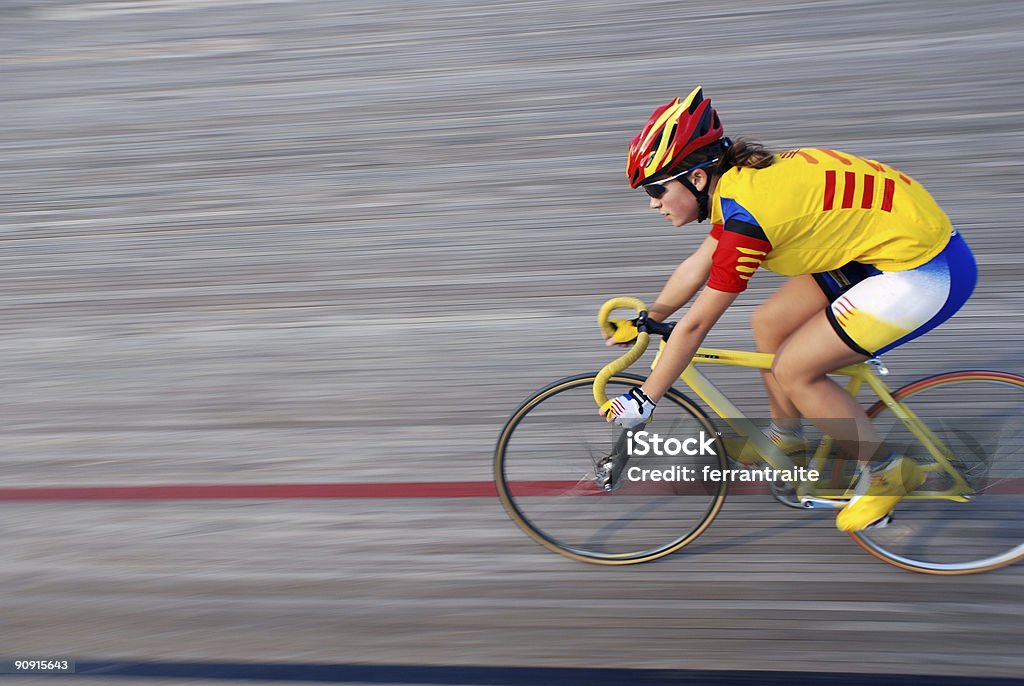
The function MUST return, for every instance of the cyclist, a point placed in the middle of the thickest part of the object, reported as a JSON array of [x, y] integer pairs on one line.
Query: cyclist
[[873, 262]]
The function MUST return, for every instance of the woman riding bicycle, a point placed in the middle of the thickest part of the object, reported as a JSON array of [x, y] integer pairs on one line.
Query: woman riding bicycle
[[873, 263]]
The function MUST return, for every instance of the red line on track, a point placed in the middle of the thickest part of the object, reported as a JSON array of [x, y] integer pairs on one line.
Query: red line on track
[[431, 489], [442, 489]]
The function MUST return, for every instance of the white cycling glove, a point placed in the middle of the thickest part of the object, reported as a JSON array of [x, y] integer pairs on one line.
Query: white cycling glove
[[629, 410]]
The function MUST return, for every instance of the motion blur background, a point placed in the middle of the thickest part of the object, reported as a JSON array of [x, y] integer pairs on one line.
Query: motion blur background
[[313, 241]]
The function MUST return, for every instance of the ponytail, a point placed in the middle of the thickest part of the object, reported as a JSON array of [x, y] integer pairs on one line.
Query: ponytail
[[746, 153]]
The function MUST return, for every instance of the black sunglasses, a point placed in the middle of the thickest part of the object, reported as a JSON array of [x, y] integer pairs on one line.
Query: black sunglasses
[[658, 189]]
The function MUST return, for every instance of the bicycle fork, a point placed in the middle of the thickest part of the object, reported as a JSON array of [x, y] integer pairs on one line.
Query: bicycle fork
[[608, 469]]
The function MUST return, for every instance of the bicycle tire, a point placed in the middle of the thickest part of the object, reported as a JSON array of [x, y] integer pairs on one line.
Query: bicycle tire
[[950, 538], [557, 503]]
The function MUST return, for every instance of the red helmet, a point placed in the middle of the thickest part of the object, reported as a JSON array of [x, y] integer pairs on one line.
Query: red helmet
[[673, 132]]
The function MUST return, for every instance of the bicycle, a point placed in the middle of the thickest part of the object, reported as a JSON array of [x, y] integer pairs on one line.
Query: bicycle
[[570, 480]]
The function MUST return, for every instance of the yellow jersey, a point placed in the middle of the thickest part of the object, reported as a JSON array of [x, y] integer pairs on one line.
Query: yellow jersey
[[815, 210]]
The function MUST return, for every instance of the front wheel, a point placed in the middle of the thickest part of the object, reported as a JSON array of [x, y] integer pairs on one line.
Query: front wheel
[[551, 455], [979, 416]]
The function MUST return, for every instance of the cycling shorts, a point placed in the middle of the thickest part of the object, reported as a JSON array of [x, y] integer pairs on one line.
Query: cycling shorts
[[875, 311]]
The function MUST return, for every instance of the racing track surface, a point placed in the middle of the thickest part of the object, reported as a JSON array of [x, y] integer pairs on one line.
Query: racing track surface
[[321, 242]]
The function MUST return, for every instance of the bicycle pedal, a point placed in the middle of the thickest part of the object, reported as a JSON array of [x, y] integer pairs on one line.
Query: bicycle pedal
[[814, 503]]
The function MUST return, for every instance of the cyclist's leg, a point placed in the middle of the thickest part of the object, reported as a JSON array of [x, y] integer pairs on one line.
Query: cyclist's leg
[[775, 320], [809, 295], [877, 313], [800, 369], [796, 301], [791, 307]]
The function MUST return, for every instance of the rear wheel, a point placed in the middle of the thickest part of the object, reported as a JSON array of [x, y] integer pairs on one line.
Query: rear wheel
[[548, 464], [979, 416]]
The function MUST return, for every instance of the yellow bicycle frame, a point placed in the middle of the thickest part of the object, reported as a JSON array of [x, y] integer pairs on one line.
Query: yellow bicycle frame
[[859, 375]]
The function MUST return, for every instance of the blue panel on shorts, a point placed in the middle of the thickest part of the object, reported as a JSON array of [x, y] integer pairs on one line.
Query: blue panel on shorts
[[957, 260]]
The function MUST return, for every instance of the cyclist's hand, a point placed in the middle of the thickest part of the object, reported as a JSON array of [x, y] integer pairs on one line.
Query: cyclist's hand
[[629, 410], [625, 333]]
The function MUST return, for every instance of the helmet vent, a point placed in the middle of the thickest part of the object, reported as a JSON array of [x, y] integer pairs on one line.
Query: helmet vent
[[696, 101], [672, 133]]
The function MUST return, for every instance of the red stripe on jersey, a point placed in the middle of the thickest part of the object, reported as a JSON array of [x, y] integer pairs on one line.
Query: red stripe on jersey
[[833, 153], [731, 267], [869, 192], [877, 166], [830, 190], [887, 193], [849, 187], [904, 179]]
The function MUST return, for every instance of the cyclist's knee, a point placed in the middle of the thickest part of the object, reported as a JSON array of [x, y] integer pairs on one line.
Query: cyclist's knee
[[780, 370], [766, 326], [791, 374]]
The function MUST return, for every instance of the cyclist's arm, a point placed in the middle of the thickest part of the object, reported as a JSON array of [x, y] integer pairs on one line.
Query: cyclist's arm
[[686, 338], [686, 280]]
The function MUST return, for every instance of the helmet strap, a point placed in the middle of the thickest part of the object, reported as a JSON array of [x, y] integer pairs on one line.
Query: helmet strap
[[701, 196]]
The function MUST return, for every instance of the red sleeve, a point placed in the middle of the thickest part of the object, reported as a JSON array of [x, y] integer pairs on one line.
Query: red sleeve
[[716, 231], [736, 259]]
